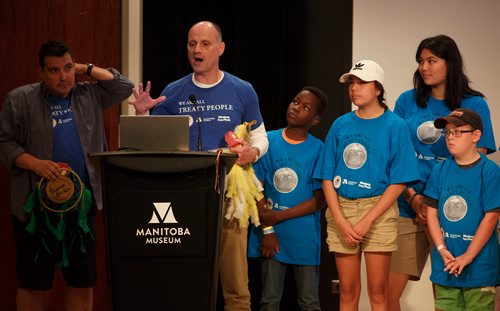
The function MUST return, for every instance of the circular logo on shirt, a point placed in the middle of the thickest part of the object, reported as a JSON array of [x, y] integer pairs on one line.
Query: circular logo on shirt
[[191, 120], [285, 180], [355, 156], [427, 133], [455, 208], [337, 181], [269, 203]]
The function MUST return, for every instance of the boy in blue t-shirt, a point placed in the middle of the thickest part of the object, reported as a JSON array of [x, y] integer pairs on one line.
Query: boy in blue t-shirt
[[464, 208], [290, 235]]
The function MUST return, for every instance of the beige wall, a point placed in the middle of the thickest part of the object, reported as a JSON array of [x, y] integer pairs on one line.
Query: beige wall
[[389, 32], [131, 44]]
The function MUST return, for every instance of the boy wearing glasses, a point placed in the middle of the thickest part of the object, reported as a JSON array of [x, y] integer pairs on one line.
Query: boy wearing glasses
[[464, 208]]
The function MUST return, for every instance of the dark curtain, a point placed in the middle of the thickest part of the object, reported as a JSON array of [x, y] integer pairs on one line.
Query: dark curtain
[[278, 46]]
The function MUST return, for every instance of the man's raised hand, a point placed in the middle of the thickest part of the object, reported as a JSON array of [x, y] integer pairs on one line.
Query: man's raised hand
[[142, 100]]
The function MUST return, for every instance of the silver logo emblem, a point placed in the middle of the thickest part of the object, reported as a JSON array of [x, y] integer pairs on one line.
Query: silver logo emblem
[[455, 208], [355, 156], [427, 133], [285, 180]]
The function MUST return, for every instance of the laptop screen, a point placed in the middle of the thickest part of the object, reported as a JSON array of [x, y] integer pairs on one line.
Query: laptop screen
[[154, 133]]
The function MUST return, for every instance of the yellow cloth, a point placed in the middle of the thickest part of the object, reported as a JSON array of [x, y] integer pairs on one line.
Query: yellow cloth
[[243, 189]]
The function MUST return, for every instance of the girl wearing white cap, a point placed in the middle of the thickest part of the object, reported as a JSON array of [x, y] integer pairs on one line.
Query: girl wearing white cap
[[365, 164], [440, 86]]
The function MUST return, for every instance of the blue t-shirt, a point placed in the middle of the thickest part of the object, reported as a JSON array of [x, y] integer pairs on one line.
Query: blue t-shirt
[[67, 146], [364, 156], [221, 108], [429, 144], [464, 195], [286, 171]]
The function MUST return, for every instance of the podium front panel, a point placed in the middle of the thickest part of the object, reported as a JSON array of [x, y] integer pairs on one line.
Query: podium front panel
[[162, 235], [162, 223]]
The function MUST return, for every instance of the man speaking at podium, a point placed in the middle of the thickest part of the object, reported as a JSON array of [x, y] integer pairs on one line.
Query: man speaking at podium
[[217, 102]]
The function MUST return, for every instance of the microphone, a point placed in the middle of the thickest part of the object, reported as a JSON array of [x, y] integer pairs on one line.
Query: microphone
[[193, 100]]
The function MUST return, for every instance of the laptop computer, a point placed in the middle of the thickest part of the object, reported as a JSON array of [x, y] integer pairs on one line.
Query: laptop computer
[[154, 133]]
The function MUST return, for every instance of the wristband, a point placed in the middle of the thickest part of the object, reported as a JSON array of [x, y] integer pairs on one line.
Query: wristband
[[440, 247], [268, 230], [410, 201]]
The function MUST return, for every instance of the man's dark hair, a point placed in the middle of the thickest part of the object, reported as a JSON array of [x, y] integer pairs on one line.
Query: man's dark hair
[[323, 99], [52, 48]]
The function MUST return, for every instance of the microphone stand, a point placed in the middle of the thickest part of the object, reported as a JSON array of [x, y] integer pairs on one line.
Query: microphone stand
[[193, 100]]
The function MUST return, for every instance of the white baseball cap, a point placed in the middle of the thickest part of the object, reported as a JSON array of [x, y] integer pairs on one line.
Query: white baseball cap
[[366, 70]]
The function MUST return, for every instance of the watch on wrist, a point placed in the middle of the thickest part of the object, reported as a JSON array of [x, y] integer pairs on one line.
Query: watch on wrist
[[89, 69]]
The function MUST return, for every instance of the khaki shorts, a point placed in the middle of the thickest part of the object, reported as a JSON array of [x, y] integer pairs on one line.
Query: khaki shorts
[[414, 247], [381, 237]]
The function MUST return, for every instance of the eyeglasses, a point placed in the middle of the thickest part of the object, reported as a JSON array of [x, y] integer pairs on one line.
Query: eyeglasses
[[455, 133]]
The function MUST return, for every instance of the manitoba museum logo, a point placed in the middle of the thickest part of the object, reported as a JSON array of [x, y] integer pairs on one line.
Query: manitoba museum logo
[[163, 214], [158, 232]]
